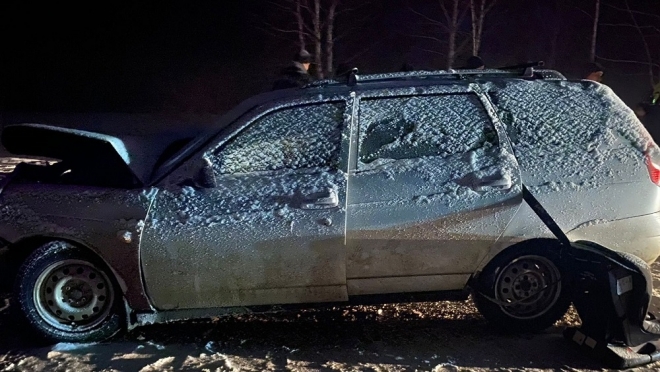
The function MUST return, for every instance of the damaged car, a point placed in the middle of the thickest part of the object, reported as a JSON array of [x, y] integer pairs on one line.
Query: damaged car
[[386, 188]]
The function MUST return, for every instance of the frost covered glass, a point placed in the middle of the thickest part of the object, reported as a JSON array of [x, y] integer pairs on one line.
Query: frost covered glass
[[413, 127], [293, 138], [568, 129]]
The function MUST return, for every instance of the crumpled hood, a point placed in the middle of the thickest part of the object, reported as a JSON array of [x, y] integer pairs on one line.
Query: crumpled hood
[[101, 156]]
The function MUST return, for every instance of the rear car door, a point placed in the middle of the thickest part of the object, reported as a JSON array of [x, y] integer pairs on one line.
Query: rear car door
[[432, 186], [271, 229]]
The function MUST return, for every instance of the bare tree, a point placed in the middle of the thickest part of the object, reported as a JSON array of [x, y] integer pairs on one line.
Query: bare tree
[[646, 25], [453, 13], [644, 42], [315, 26], [317, 38], [301, 24], [329, 38], [453, 16], [478, 13], [452, 21]]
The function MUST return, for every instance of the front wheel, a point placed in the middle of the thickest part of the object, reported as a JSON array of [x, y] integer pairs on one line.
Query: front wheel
[[523, 290], [66, 294]]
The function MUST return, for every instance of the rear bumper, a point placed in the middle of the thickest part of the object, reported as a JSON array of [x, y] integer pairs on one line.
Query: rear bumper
[[637, 235]]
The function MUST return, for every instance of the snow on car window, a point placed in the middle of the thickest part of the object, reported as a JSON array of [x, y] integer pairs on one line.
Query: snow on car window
[[554, 127], [293, 138], [413, 127]]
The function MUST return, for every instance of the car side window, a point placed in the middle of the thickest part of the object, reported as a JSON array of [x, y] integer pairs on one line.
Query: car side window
[[298, 137], [420, 126]]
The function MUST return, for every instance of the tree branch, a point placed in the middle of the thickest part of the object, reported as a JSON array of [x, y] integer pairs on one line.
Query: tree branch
[[432, 21], [349, 10], [432, 51], [585, 13], [429, 38], [445, 11], [489, 7], [629, 25], [274, 34], [280, 6], [646, 45], [633, 11], [362, 52], [282, 30], [628, 61], [463, 13]]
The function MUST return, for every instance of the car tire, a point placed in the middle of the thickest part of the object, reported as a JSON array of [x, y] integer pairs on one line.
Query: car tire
[[519, 277], [66, 293]]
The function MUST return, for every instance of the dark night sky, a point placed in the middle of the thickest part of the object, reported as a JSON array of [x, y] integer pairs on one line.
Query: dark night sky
[[203, 56], [116, 54]]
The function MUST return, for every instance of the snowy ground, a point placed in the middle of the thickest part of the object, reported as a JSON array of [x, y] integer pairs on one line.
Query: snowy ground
[[442, 336]]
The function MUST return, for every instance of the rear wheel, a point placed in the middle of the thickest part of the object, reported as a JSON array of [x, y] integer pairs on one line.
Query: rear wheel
[[66, 294], [523, 290]]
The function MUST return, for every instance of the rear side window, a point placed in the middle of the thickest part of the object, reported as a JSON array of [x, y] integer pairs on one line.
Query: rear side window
[[300, 137], [420, 126], [566, 132]]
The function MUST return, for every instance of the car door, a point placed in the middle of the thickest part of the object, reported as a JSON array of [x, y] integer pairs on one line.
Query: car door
[[432, 186], [269, 229]]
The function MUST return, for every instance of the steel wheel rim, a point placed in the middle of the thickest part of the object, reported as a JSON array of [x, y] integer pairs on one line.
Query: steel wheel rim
[[73, 295], [532, 284]]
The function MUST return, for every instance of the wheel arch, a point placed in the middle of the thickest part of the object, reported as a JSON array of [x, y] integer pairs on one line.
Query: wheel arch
[[18, 252], [512, 250], [540, 312]]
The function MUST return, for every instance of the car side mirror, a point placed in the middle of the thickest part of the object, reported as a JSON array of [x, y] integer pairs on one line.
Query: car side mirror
[[204, 177]]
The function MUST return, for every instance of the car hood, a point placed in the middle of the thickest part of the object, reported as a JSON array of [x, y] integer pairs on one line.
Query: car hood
[[104, 157]]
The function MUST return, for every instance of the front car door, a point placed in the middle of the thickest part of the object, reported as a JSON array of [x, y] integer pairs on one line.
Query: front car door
[[271, 228], [432, 187]]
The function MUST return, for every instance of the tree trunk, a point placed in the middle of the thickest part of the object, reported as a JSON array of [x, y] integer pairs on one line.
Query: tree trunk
[[594, 33], [317, 39], [480, 24], [473, 12], [329, 39], [478, 18], [301, 31], [453, 29]]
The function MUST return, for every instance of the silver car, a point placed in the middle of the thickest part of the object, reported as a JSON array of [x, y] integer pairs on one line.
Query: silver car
[[396, 187]]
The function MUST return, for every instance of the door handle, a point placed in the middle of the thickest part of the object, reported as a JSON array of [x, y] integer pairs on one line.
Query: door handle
[[320, 200], [501, 183]]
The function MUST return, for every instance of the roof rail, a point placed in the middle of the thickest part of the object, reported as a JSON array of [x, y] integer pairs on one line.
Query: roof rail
[[526, 70], [442, 74]]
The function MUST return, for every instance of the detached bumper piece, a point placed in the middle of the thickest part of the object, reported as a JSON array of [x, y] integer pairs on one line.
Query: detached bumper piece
[[619, 357], [612, 296]]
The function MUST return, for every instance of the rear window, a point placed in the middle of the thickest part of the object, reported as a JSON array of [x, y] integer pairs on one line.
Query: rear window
[[567, 131]]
